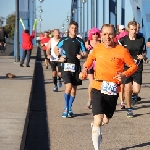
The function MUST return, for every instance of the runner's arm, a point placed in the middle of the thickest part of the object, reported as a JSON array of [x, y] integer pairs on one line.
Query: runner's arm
[[130, 63], [83, 49], [90, 59], [144, 53], [59, 45], [48, 48]]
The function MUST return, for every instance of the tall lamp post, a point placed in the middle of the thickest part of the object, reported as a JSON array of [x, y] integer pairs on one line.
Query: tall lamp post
[[84, 1], [40, 11], [17, 58], [1, 21]]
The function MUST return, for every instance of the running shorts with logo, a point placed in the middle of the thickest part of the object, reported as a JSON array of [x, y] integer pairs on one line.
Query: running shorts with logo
[[108, 63]]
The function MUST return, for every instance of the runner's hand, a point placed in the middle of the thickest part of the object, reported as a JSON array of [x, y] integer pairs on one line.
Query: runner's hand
[[119, 76], [79, 56], [140, 57], [48, 56], [82, 75]]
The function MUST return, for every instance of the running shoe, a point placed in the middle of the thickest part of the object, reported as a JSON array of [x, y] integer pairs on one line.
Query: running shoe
[[46, 67], [134, 100], [65, 113], [70, 114], [59, 83], [88, 105], [122, 105], [130, 113], [138, 98], [55, 89]]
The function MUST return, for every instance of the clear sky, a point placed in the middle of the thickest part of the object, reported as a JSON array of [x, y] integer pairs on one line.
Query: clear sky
[[54, 12]]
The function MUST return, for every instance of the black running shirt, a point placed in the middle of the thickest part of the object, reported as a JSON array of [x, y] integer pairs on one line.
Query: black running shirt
[[135, 47], [71, 47], [149, 40]]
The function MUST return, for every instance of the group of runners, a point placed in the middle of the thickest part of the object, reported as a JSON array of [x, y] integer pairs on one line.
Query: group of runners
[[113, 65]]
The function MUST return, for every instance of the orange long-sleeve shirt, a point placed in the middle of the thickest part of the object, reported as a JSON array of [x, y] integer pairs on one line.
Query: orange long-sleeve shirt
[[109, 62]]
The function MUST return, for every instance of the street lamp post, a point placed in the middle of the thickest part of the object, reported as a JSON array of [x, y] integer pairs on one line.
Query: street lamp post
[[84, 1], [1, 21], [17, 59], [40, 11], [81, 17], [87, 17]]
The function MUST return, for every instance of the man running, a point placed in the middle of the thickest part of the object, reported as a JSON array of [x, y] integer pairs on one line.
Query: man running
[[44, 43], [110, 59], [135, 44], [73, 50], [54, 60]]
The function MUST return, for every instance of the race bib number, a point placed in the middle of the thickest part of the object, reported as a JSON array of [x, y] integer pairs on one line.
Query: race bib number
[[69, 67], [109, 88]]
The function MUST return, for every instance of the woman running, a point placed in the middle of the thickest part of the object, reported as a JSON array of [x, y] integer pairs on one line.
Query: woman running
[[93, 39]]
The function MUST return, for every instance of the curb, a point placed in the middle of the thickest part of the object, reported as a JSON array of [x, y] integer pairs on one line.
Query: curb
[[23, 140]]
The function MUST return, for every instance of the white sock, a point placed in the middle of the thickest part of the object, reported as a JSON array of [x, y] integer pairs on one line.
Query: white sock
[[96, 137]]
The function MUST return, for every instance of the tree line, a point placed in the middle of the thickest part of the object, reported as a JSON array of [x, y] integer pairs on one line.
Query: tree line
[[10, 25]]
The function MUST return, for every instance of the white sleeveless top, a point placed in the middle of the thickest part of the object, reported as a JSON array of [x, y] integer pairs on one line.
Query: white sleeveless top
[[53, 55]]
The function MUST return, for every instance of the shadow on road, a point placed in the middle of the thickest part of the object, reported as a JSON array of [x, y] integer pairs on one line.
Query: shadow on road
[[136, 146], [37, 132]]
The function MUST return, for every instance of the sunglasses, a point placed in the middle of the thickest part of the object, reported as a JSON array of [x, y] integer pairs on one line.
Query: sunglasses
[[95, 33]]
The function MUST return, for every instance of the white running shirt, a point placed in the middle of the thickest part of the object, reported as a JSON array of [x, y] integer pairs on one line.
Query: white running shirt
[[53, 55]]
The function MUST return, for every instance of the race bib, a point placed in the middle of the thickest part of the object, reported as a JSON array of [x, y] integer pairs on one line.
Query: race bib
[[109, 88], [69, 67]]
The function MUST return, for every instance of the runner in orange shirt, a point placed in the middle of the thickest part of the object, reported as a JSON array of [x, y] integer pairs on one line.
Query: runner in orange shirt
[[110, 59]]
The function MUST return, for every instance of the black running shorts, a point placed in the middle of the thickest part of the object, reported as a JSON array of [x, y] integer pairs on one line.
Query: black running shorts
[[72, 77], [136, 77], [54, 65], [91, 71], [103, 103]]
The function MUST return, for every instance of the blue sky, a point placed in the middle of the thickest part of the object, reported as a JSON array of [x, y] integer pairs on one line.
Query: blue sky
[[54, 12]]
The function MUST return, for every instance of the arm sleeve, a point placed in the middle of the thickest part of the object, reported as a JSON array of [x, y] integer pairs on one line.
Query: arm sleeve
[[83, 49], [130, 62], [148, 39], [60, 43], [90, 59], [33, 34], [144, 46]]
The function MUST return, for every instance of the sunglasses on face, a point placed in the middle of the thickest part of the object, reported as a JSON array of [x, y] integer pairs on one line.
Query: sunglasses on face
[[95, 33]]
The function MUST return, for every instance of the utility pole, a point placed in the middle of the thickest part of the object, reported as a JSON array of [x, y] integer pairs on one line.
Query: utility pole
[[17, 59]]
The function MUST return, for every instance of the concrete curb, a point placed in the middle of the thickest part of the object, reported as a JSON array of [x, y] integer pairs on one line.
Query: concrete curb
[[22, 145]]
